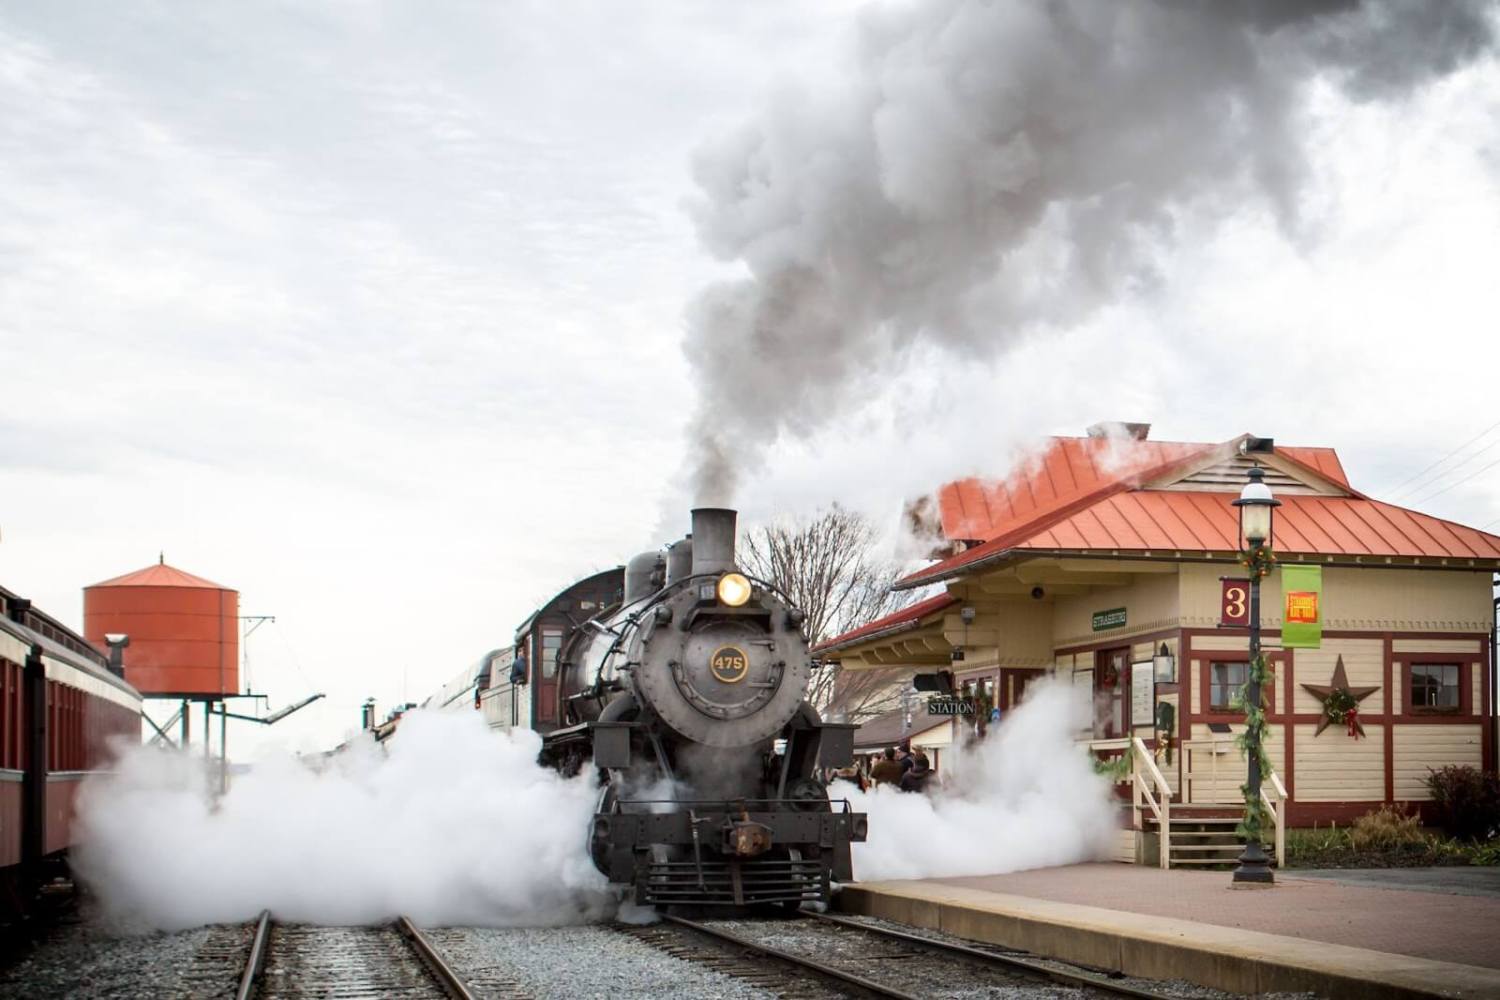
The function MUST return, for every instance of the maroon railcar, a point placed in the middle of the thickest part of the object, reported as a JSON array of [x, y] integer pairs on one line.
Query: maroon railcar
[[61, 708]]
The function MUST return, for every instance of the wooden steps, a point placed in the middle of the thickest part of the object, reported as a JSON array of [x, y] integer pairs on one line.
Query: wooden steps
[[1204, 839]]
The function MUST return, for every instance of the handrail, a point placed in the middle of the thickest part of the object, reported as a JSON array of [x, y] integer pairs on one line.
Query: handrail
[[1217, 746], [1278, 813], [1163, 809]]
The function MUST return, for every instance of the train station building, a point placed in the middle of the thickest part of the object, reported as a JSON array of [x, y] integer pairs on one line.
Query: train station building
[[1112, 561]]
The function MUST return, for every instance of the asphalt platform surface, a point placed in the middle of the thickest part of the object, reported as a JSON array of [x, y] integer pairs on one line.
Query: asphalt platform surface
[[1457, 881], [1447, 915]]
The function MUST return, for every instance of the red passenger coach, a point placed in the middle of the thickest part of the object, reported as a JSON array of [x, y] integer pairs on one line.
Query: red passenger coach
[[61, 706]]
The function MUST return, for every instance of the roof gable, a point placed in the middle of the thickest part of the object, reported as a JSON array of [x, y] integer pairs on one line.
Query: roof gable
[[1223, 469]]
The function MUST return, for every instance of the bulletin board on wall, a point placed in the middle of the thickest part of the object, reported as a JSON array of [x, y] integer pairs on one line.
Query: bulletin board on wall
[[1143, 693]]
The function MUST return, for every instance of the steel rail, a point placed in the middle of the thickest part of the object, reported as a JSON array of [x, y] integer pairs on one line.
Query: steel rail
[[256, 962], [815, 967], [1031, 966], [433, 959]]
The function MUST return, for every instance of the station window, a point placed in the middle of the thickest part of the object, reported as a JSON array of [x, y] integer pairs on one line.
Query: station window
[[1435, 687], [1224, 683], [551, 646]]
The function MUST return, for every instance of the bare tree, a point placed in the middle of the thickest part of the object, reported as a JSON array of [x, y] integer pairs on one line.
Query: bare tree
[[828, 565]]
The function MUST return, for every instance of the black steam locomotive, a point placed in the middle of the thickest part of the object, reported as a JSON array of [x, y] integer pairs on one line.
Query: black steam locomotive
[[689, 698], [683, 681]]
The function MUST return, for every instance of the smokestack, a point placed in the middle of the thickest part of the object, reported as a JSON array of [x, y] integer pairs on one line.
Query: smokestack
[[1119, 429], [713, 540]]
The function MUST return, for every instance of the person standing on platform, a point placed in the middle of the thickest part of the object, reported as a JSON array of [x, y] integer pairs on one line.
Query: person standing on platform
[[887, 771], [903, 755], [916, 779]]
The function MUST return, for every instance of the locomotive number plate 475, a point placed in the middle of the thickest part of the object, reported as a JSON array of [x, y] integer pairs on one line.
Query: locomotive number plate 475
[[729, 664]]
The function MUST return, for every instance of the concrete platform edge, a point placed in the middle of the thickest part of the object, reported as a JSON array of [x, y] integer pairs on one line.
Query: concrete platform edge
[[1226, 958]]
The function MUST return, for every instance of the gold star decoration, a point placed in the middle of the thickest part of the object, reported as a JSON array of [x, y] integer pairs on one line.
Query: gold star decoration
[[1331, 691]]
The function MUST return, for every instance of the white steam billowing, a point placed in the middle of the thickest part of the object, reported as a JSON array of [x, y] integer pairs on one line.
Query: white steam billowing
[[990, 169], [457, 825], [1025, 797]]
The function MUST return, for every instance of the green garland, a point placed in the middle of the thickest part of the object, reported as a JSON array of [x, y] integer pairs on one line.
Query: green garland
[[1253, 740], [1260, 561], [1117, 769]]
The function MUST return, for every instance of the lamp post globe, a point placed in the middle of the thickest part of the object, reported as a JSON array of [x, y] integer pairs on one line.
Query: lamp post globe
[[1257, 509]]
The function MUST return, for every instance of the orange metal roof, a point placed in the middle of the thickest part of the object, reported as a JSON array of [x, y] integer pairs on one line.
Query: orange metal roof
[[908, 617], [1158, 520], [1069, 471], [1324, 461], [159, 575]]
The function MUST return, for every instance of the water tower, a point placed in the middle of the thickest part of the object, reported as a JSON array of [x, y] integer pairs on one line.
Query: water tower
[[184, 631]]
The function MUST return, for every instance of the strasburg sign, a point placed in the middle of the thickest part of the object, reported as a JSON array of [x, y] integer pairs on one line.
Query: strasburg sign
[[1113, 618]]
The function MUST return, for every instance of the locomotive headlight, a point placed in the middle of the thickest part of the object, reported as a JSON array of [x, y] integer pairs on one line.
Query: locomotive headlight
[[734, 589]]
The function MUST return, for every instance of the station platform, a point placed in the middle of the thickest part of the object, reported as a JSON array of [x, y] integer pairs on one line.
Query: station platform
[[1335, 936]]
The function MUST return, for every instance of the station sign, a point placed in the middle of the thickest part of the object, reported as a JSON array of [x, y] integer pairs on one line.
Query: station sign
[[1113, 618], [950, 705]]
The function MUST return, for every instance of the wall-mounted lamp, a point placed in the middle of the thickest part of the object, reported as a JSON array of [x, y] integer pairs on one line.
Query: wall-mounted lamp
[[1165, 666], [966, 615]]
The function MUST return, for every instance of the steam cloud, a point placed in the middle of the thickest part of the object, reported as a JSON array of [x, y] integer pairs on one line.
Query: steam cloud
[[457, 825], [993, 169], [1026, 797]]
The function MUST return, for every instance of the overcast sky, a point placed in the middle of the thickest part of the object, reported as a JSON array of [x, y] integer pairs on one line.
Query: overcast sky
[[373, 312]]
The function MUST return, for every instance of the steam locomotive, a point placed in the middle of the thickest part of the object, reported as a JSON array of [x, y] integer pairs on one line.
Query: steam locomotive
[[683, 681]]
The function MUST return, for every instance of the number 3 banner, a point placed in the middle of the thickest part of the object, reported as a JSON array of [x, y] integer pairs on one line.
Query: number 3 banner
[[1234, 608]]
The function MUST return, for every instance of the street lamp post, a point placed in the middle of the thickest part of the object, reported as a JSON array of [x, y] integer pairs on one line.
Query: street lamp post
[[1257, 512]]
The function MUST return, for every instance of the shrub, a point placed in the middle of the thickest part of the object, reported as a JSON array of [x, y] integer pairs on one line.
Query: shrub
[[1488, 854], [1387, 828], [1467, 803]]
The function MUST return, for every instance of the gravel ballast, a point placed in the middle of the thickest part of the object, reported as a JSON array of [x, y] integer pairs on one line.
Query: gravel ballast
[[583, 962]]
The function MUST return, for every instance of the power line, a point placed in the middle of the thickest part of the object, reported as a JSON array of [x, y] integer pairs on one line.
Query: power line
[[1445, 458], [1432, 481], [1450, 486]]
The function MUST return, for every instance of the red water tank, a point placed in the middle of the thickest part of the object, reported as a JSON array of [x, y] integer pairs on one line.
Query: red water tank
[[184, 630]]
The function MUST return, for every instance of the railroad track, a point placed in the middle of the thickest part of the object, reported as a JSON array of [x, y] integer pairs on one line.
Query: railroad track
[[844, 958], [269, 961]]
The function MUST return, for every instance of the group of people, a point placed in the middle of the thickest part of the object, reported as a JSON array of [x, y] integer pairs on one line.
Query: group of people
[[898, 766]]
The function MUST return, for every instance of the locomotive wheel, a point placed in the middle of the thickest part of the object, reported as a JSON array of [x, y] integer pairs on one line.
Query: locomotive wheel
[[599, 849]]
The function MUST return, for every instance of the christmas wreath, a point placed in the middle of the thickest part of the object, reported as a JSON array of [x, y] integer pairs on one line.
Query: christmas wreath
[[1259, 561], [1109, 676], [1342, 708], [1339, 705]]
